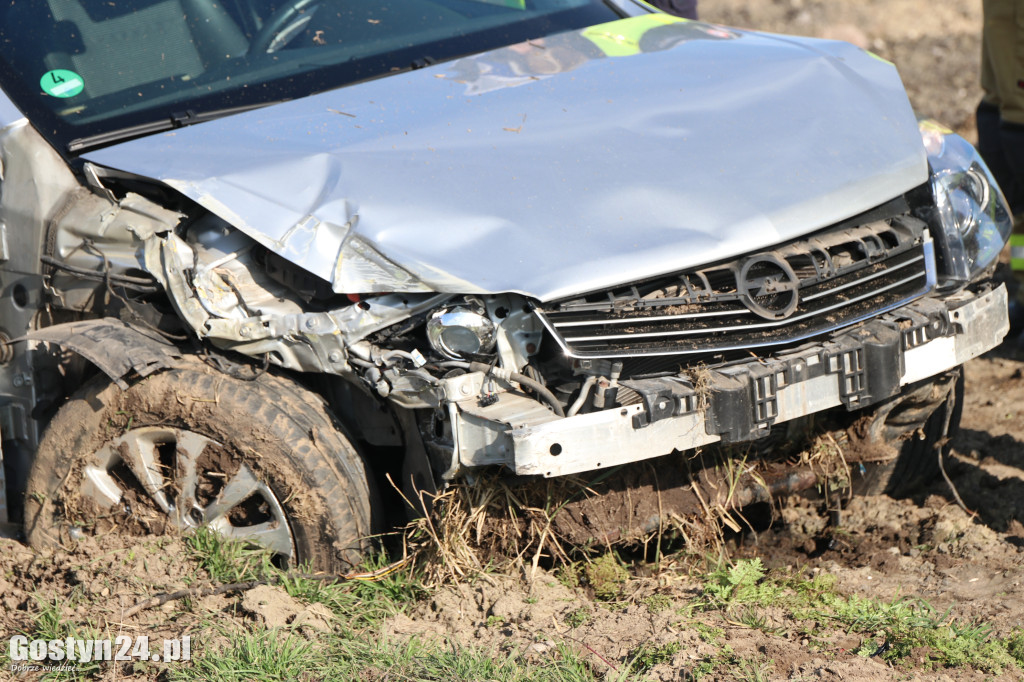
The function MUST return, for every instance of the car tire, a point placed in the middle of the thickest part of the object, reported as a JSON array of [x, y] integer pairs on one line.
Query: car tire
[[917, 463], [259, 460]]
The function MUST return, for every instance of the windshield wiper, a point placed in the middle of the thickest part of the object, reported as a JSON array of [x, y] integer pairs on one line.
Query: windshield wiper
[[175, 120]]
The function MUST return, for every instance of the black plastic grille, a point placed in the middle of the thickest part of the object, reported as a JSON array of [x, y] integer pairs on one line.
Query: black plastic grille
[[834, 278]]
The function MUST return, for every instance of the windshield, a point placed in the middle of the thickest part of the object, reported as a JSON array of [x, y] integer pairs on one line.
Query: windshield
[[89, 73]]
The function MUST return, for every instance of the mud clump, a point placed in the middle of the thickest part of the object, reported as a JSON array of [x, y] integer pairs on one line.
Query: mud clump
[[271, 606]]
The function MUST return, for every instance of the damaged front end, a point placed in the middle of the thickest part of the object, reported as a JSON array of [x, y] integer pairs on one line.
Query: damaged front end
[[848, 316], [536, 328]]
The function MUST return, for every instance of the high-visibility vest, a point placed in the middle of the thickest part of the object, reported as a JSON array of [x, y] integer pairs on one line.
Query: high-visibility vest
[[622, 38]]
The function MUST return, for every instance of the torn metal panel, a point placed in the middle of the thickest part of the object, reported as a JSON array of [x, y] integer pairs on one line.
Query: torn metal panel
[[225, 296], [97, 235], [468, 181]]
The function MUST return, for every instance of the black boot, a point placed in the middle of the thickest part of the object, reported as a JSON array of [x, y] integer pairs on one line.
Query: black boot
[[1011, 135], [990, 145]]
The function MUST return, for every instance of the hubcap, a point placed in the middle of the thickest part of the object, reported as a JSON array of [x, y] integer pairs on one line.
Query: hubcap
[[163, 462]]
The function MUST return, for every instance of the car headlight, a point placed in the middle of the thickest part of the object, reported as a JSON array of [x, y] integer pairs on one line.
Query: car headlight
[[460, 333], [973, 215]]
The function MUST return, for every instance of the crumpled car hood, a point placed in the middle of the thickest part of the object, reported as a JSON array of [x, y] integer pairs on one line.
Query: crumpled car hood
[[550, 168]]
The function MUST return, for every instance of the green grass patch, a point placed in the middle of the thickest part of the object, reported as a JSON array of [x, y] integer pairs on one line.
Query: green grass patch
[[579, 617], [434, 661], [1015, 646], [901, 630], [279, 655], [272, 655], [646, 656], [357, 649], [569, 574], [742, 583], [915, 633], [359, 603], [229, 562], [656, 603], [49, 623], [708, 633]]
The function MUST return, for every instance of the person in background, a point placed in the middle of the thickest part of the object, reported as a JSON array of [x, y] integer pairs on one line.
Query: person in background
[[686, 9], [1000, 120]]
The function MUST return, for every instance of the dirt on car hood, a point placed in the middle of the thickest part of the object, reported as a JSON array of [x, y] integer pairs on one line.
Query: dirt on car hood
[[556, 166]]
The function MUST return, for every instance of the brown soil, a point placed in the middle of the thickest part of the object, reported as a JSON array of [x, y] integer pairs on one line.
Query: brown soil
[[971, 562], [967, 562], [935, 46]]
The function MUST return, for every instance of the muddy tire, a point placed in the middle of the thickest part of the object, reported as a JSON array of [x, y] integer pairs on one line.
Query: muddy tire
[[261, 461], [920, 449]]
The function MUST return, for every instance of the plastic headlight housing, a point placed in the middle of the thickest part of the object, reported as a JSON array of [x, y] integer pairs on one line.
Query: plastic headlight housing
[[970, 209]]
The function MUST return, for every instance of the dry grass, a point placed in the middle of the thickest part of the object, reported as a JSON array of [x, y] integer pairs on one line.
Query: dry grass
[[492, 524], [489, 525]]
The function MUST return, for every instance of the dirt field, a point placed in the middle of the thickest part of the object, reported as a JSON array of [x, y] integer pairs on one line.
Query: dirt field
[[966, 565], [936, 46]]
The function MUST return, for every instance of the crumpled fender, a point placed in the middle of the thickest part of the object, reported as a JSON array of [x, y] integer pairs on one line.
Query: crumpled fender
[[113, 346]]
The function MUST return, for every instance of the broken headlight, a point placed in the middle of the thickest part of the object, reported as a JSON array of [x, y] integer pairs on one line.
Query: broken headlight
[[969, 207], [460, 333]]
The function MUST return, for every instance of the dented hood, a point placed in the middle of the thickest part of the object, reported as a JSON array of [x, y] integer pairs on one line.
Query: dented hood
[[559, 166]]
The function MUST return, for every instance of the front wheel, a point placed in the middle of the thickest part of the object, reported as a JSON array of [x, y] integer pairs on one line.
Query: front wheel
[[259, 461]]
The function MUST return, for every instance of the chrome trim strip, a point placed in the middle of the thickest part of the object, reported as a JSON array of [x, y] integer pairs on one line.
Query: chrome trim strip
[[863, 279]]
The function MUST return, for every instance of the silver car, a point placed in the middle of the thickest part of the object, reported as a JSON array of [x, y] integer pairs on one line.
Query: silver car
[[259, 257]]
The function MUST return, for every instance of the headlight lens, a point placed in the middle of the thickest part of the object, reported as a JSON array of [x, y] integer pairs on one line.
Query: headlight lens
[[460, 333], [971, 210]]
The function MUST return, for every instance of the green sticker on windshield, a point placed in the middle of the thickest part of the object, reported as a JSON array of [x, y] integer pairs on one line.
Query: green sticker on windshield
[[62, 83]]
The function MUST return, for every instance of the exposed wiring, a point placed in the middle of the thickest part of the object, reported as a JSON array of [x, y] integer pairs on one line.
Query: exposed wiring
[[940, 447], [140, 284], [108, 278]]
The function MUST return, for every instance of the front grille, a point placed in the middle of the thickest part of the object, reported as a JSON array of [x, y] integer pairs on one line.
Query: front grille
[[831, 279]]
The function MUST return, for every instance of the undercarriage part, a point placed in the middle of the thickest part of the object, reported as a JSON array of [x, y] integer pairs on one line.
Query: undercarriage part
[[896, 447], [642, 498], [628, 503], [113, 346], [893, 421]]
